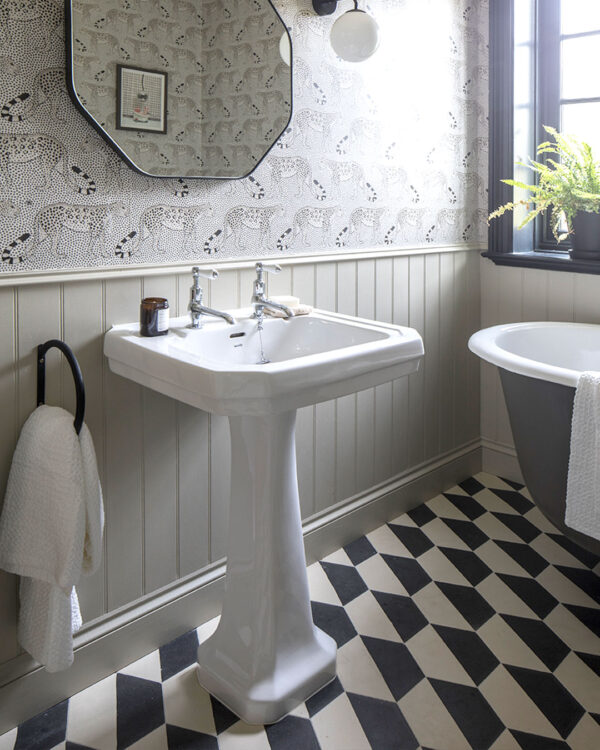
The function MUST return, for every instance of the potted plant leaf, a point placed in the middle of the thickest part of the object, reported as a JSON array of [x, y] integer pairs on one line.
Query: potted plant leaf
[[568, 186]]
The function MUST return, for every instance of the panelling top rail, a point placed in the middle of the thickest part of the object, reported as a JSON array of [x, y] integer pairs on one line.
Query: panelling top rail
[[77, 377]]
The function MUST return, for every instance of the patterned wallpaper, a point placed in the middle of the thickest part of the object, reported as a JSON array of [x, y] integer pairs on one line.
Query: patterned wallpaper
[[390, 152]]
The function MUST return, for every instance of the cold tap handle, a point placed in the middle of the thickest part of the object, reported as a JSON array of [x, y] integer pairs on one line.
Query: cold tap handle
[[274, 268]]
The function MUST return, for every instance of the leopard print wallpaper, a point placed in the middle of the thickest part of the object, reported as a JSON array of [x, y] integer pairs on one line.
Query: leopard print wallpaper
[[390, 152]]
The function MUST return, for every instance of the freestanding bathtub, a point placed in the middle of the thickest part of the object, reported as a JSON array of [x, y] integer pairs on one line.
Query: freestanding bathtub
[[539, 365]]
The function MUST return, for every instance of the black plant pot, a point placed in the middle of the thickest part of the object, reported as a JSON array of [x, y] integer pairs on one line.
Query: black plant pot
[[586, 236]]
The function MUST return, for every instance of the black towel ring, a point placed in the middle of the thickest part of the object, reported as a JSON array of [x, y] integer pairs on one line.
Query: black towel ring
[[77, 377]]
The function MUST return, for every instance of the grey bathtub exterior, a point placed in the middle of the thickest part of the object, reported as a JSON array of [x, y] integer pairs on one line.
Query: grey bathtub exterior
[[540, 417]]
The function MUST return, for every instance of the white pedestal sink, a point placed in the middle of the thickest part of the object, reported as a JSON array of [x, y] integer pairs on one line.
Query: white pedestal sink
[[266, 655]]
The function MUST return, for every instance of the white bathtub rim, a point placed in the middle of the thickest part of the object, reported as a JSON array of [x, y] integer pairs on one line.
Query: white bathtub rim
[[484, 344]]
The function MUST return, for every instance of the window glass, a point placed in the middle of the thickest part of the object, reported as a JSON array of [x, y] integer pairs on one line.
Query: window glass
[[523, 23], [582, 120], [580, 64], [522, 89], [579, 15]]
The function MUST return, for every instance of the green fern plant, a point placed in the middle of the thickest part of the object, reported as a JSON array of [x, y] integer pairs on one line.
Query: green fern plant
[[568, 181]]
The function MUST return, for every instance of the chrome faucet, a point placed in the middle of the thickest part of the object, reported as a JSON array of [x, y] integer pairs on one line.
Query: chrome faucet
[[196, 308], [259, 301]]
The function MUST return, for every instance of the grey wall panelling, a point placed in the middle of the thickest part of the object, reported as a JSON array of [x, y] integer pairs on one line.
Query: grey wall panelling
[[8, 435], [164, 466]]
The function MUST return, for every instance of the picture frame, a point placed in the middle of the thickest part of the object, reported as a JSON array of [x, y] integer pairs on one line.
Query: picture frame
[[141, 99]]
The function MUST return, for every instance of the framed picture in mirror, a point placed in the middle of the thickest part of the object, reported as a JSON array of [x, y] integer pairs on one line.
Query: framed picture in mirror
[[141, 99]]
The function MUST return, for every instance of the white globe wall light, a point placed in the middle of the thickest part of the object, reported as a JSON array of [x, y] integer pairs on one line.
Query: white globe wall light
[[354, 35]]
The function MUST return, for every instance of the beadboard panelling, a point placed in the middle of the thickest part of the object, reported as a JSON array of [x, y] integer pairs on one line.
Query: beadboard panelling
[[447, 378], [161, 529], [511, 295], [8, 433], [416, 319], [468, 299], [325, 414], [303, 286], [432, 343], [123, 471], [365, 400], [400, 388], [165, 466], [193, 431], [160, 476], [346, 406], [82, 331]]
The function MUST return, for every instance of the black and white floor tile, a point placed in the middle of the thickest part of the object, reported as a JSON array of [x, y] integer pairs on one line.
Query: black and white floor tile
[[469, 622]]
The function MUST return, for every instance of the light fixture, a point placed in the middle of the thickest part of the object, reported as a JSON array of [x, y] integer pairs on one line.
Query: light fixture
[[354, 35]]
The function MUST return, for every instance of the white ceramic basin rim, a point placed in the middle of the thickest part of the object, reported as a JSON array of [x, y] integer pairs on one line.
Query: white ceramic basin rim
[[313, 358], [552, 351]]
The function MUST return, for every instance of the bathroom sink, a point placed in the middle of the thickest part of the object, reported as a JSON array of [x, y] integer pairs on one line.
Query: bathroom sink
[[312, 358], [267, 655]]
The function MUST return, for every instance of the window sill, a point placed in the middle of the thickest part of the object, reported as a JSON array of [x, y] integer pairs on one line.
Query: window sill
[[545, 261]]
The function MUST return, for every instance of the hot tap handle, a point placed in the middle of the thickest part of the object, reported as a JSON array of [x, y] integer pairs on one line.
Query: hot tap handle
[[209, 273], [259, 284]]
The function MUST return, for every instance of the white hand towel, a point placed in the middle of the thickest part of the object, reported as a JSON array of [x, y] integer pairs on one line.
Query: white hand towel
[[92, 548], [51, 530], [583, 484], [48, 617]]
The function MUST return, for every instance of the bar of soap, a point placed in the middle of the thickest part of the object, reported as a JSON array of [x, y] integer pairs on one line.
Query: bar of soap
[[296, 309], [286, 300]]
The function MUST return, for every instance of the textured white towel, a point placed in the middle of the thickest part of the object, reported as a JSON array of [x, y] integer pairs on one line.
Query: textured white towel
[[583, 485], [51, 530]]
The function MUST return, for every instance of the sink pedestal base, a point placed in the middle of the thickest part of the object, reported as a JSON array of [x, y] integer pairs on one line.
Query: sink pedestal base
[[266, 656]]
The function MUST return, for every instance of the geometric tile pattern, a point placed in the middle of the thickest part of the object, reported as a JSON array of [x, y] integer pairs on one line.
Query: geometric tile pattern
[[461, 624]]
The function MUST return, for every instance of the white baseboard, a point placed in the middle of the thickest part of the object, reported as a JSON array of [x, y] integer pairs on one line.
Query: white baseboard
[[110, 643], [500, 460]]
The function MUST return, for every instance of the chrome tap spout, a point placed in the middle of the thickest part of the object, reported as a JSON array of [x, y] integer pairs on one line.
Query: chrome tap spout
[[265, 302], [199, 310], [196, 308], [259, 300]]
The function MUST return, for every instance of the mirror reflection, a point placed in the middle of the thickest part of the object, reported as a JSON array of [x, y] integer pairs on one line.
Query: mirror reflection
[[185, 88]]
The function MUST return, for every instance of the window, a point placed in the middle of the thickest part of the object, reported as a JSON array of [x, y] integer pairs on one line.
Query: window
[[544, 62], [579, 40]]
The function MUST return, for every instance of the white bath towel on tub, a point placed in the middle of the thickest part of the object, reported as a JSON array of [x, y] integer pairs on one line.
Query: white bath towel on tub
[[51, 530], [583, 485]]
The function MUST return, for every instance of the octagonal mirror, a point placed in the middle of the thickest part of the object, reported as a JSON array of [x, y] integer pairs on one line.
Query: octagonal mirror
[[182, 88]]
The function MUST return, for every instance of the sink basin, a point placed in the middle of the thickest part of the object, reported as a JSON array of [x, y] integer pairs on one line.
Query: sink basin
[[267, 655], [313, 358]]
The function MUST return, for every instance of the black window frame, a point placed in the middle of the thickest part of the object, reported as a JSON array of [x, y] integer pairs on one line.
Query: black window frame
[[533, 246], [547, 110]]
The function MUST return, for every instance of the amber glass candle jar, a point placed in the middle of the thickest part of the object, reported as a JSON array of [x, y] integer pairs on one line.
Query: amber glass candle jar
[[154, 316]]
